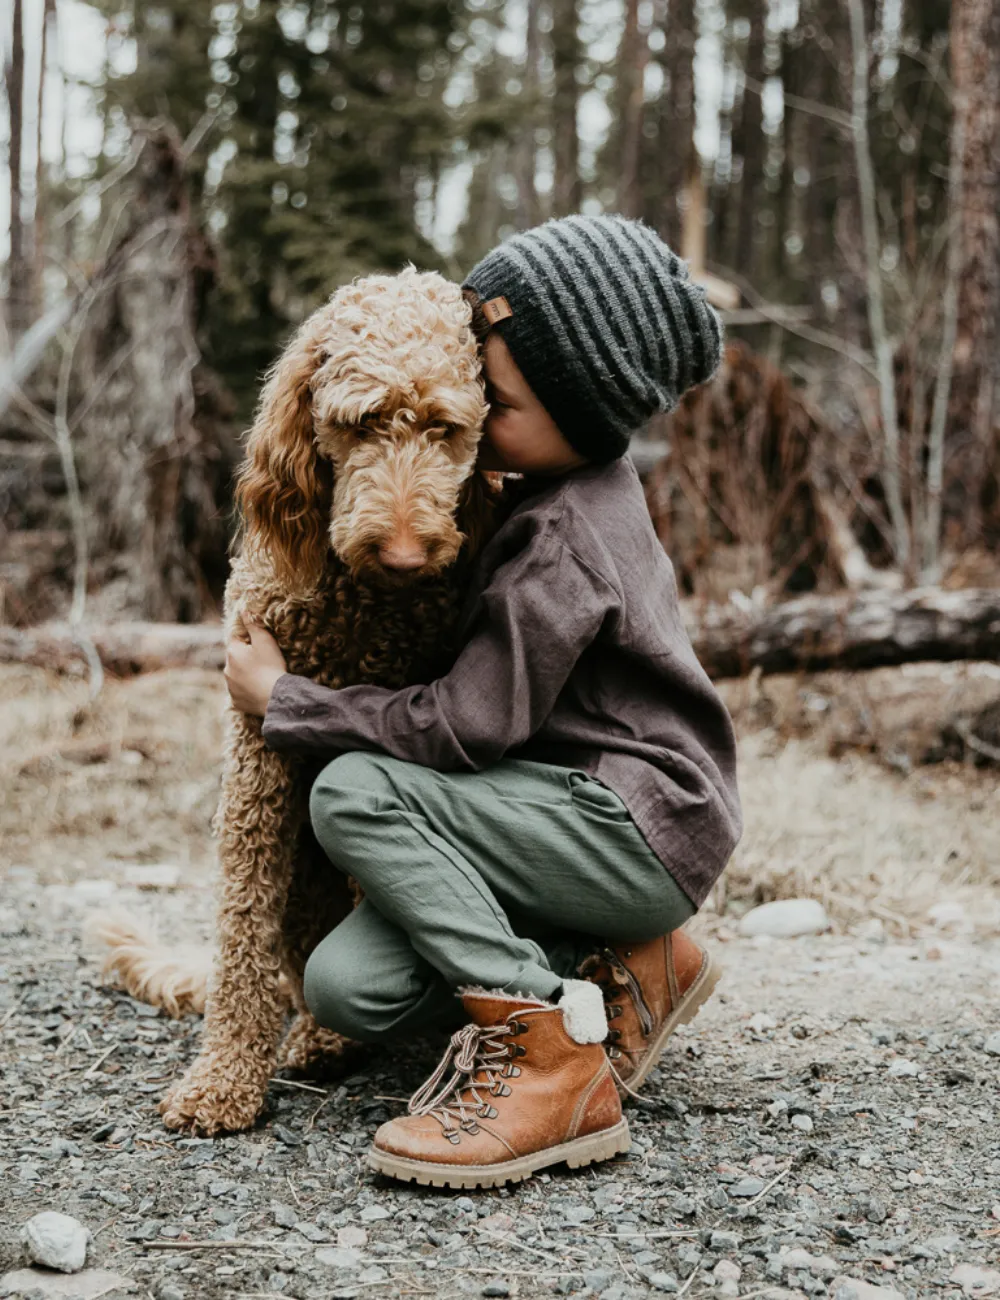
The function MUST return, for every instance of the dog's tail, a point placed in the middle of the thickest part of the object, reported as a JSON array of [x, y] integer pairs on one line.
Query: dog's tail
[[172, 976]]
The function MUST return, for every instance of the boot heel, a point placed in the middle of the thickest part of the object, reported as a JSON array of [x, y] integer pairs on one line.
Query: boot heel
[[699, 995], [601, 1146]]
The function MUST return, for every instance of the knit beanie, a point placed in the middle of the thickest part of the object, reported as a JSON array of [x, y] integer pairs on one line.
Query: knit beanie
[[603, 321]]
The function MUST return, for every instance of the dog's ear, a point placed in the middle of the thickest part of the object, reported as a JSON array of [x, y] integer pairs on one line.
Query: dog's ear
[[284, 488]]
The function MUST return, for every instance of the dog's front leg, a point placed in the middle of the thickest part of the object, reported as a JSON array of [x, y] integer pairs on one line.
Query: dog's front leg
[[260, 810]]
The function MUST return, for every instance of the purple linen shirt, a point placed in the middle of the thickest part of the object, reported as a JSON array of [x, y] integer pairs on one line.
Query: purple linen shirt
[[573, 652]]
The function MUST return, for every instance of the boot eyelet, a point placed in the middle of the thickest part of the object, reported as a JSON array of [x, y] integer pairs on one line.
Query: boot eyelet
[[614, 1035], [614, 1053], [454, 1138], [615, 1010]]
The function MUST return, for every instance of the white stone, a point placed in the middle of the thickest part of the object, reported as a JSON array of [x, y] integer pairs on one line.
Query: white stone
[[901, 1068], [352, 1236], [947, 913], [803, 1123], [727, 1270], [852, 1288], [992, 1045], [786, 918], [975, 1280], [56, 1240], [798, 1258], [88, 1285], [339, 1257], [760, 1021]]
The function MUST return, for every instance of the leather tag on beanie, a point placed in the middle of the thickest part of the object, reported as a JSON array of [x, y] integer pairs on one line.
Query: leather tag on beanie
[[497, 309]]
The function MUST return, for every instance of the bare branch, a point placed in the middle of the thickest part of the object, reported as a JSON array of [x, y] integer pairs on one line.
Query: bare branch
[[946, 356], [873, 276]]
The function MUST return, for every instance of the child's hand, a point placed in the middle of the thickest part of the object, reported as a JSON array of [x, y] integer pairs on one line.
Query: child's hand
[[252, 668]]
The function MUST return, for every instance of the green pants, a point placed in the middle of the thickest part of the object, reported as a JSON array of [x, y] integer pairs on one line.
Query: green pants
[[503, 878]]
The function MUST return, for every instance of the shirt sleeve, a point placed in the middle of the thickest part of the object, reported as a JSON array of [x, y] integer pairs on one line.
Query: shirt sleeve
[[539, 612]]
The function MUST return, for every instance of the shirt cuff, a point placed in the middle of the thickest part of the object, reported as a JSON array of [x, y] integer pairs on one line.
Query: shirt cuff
[[293, 701]]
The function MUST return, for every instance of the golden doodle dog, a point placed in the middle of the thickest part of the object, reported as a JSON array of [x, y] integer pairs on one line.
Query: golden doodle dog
[[361, 510]]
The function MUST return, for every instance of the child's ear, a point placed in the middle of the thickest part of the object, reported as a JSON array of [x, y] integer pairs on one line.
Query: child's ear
[[285, 488]]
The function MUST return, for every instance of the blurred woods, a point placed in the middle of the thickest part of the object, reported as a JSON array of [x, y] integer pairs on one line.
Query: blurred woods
[[831, 170]]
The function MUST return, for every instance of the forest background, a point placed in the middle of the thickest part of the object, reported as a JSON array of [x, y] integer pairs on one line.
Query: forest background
[[831, 170]]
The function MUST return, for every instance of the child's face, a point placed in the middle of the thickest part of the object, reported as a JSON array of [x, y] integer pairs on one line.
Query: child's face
[[519, 434]]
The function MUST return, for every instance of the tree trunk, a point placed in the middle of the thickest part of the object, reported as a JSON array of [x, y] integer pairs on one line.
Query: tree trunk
[[633, 55], [566, 57], [749, 143], [677, 159], [152, 479], [18, 268], [813, 633], [528, 207], [975, 68]]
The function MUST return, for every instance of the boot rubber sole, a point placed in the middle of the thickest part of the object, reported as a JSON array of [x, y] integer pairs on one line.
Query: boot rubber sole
[[702, 988], [588, 1150]]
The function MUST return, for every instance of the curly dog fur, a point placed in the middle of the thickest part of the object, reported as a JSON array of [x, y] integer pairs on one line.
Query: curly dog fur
[[361, 509]]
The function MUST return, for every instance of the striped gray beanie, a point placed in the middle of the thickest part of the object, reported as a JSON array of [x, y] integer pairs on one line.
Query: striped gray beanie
[[603, 321]]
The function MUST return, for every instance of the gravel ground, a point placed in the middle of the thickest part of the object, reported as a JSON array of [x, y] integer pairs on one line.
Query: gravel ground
[[829, 1122]]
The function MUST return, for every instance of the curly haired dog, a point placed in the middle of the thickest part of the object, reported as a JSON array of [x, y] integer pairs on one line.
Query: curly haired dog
[[361, 509]]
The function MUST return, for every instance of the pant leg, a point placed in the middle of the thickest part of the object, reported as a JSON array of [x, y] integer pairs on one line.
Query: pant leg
[[365, 980], [449, 857]]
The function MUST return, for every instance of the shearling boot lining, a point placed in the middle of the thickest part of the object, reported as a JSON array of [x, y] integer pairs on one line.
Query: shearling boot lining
[[584, 1017], [476, 991]]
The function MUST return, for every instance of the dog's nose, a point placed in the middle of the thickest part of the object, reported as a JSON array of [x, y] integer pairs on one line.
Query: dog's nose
[[402, 555]]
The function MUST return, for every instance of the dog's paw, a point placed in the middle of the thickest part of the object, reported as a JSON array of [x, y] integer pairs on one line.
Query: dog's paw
[[214, 1097], [313, 1050]]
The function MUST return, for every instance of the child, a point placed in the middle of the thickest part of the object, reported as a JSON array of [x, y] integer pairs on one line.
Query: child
[[561, 801]]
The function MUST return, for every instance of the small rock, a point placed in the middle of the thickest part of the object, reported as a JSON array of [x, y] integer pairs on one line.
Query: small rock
[[664, 1282], [975, 1280], [761, 1021], [802, 1122], [786, 918], [496, 1287], [724, 1240], [727, 1271], [685, 1206], [777, 1108], [947, 913], [339, 1257], [352, 1236], [56, 1241], [747, 1187], [311, 1232], [598, 1279], [901, 1068], [576, 1214], [170, 1291], [992, 1044], [286, 1136], [851, 1288], [372, 1213], [90, 1284], [284, 1215]]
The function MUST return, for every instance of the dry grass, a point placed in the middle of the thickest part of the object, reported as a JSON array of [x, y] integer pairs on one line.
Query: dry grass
[[136, 780]]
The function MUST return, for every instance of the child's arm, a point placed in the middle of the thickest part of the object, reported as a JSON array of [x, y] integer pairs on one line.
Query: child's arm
[[539, 613]]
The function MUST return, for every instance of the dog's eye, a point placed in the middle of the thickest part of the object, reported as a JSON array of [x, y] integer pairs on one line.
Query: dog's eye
[[365, 426], [439, 432]]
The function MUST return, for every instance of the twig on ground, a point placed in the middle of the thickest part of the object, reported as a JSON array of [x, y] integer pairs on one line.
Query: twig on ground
[[100, 1061], [306, 1087]]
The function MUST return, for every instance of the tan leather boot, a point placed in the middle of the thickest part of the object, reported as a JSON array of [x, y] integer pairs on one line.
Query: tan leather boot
[[525, 1085], [649, 989]]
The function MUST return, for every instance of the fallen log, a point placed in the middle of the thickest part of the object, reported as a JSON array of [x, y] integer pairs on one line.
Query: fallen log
[[870, 629]]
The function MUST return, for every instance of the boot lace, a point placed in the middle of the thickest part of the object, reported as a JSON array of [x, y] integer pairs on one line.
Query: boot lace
[[480, 1061]]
